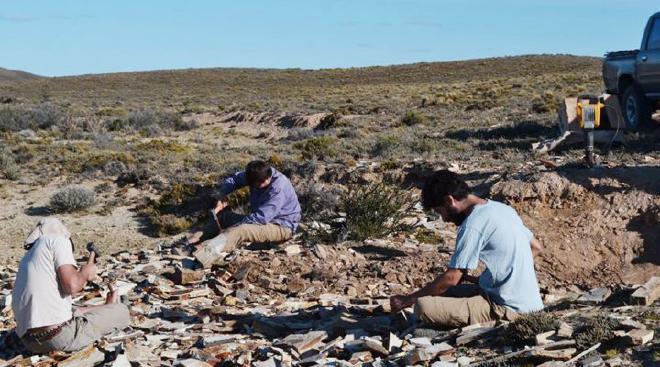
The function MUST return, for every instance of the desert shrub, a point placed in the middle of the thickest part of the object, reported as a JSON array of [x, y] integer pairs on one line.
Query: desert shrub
[[420, 145], [151, 123], [45, 115], [424, 235], [389, 165], [239, 200], [111, 112], [320, 147], [161, 147], [276, 161], [169, 224], [385, 145], [307, 169], [298, 134], [412, 118], [595, 330], [72, 198], [318, 201], [525, 328], [8, 166], [181, 205], [329, 121], [12, 119], [374, 211], [103, 139], [142, 118], [116, 124], [137, 176], [547, 102], [100, 160], [41, 116], [350, 133], [151, 131]]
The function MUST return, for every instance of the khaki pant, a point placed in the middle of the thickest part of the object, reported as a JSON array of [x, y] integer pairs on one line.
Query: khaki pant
[[461, 305], [234, 235], [83, 330]]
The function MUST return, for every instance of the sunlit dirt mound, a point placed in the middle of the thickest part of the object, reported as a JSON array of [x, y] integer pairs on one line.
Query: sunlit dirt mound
[[599, 226]]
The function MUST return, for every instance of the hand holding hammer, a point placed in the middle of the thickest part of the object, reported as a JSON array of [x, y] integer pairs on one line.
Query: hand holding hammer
[[94, 251]]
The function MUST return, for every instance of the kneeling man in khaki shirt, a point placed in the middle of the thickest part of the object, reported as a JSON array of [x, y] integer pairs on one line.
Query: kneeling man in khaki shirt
[[47, 278]]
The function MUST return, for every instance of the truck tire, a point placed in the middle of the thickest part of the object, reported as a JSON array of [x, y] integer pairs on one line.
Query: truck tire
[[635, 108]]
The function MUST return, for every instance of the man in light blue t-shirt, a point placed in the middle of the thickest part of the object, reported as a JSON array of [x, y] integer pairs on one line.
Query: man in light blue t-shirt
[[488, 232]]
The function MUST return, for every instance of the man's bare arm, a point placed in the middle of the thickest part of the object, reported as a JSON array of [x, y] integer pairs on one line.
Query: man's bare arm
[[536, 246], [450, 278], [72, 280]]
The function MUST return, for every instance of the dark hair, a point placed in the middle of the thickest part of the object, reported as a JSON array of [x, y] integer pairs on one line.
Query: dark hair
[[256, 172], [442, 184]]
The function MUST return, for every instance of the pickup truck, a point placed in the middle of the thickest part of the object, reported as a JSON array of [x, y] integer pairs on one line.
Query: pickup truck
[[635, 76]]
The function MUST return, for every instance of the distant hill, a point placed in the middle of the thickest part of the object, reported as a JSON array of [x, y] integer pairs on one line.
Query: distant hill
[[358, 89], [7, 75]]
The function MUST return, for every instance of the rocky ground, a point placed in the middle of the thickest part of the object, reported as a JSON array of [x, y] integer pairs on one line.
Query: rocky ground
[[326, 305]]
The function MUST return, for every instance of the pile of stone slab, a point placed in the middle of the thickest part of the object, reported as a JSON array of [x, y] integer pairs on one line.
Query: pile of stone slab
[[184, 315]]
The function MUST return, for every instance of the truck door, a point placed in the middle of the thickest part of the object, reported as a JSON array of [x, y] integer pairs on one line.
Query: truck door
[[648, 61]]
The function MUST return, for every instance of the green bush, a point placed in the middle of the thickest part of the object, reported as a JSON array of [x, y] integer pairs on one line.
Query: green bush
[[385, 145], [420, 145], [72, 198], [329, 121], [12, 119], [595, 330], [319, 147], [524, 329], [151, 123], [318, 202], [412, 118], [8, 165], [41, 116], [375, 211]]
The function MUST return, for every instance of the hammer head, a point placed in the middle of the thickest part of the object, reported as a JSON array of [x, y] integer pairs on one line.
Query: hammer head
[[91, 247]]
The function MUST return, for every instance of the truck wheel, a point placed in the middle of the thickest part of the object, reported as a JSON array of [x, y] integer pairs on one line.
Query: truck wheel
[[635, 108]]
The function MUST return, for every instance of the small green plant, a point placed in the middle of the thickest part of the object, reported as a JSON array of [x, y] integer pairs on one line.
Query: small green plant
[[170, 224], [389, 165], [385, 145], [329, 121], [547, 102], [151, 123], [317, 201], [8, 166], [424, 235], [72, 198], [375, 211], [412, 118], [423, 145], [594, 330], [319, 147], [526, 327]]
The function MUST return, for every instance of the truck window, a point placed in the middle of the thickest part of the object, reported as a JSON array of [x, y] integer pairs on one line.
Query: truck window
[[653, 42]]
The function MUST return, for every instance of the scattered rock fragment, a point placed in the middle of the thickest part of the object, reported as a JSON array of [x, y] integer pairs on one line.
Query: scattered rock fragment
[[639, 336], [595, 296], [648, 293], [565, 330], [190, 362], [304, 342], [87, 357], [184, 276]]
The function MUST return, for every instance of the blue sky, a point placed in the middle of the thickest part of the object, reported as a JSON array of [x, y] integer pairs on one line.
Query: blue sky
[[61, 37]]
